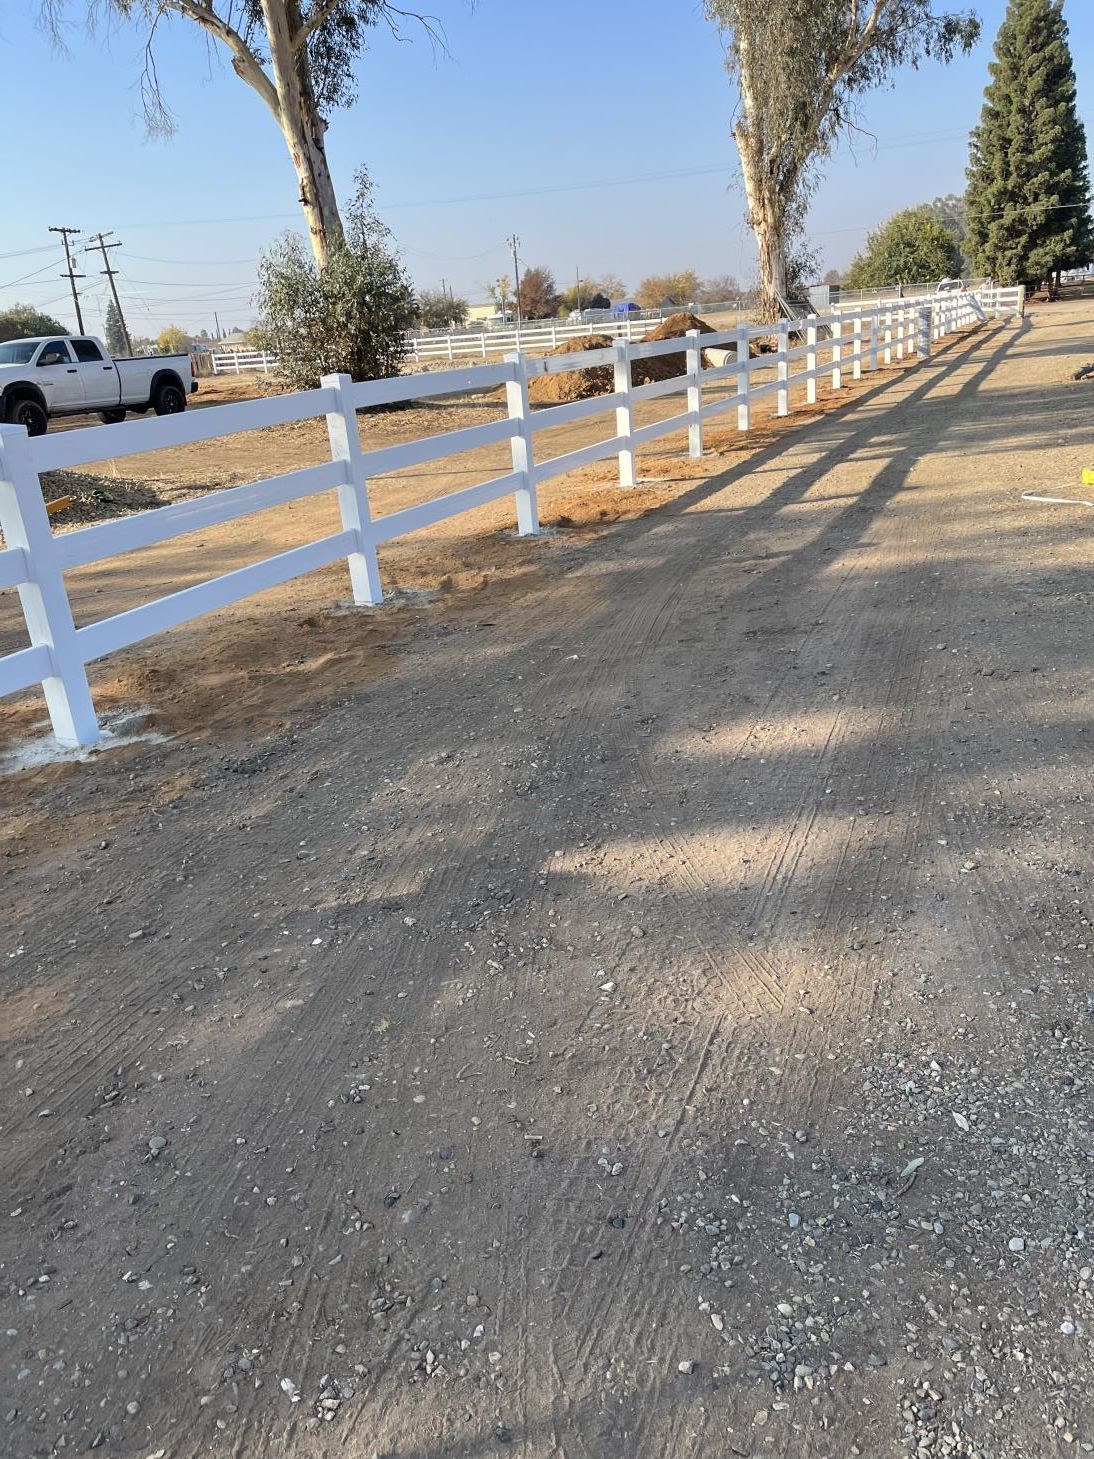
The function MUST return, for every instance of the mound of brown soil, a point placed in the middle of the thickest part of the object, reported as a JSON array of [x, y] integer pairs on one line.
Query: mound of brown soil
[[663, 367], [599, 379], [574, 384]]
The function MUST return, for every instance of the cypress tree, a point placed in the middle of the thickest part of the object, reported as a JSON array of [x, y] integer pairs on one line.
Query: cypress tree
[[1028, 187], [115, 335]]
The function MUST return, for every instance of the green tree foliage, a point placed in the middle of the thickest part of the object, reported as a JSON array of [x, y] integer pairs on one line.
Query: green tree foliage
[[1028, 186], [437, 310], [588, 294], [115, 335], [173, 341], [349, 316], [677, 289], [23, 321], [538, 294], [800, 68], [912, 247]]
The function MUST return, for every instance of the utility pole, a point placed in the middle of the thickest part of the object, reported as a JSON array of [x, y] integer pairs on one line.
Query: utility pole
[[216, 316], [71, 275], [514, 242], [577, 272], [99, 240]]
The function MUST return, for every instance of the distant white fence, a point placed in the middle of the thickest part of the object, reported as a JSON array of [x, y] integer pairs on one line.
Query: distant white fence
[[539, 335], [232, 362], [34, 560]]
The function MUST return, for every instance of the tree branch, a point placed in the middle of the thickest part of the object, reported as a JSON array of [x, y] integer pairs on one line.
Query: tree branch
[[321, 13], [244, 61]]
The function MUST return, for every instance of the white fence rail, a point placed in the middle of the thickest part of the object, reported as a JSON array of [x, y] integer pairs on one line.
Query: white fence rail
[[539, 335], [233, 362], [34, 560]]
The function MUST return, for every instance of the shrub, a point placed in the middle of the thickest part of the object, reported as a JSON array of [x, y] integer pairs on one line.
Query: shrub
[[349, 317]]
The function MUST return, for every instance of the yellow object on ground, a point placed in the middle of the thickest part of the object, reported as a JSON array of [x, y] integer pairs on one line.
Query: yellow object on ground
[[1088, 476]]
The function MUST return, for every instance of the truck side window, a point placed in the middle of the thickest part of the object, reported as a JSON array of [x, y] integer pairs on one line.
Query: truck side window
[[54, 353], [87, 352]]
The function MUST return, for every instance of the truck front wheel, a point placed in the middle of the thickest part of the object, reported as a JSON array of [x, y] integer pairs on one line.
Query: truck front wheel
[[168, 398], [111, 417], [29, 413]]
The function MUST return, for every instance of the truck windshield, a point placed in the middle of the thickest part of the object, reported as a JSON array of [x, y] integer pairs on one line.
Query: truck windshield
[[18, 351]]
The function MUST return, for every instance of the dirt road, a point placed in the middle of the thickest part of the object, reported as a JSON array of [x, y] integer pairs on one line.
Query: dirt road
[[649, 1016]]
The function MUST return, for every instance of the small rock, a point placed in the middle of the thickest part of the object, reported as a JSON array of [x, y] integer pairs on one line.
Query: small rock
[[1017, 1243], [157, 1143], [687, 1366]]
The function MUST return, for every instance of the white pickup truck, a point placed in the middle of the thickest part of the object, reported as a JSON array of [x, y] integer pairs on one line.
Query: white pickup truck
[[70, 375]]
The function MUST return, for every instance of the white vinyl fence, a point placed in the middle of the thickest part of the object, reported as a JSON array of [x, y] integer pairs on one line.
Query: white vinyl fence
[[34, 560], [233, 362]]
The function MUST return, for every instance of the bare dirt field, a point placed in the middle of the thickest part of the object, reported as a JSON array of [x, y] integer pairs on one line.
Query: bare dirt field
[[632, 1004]]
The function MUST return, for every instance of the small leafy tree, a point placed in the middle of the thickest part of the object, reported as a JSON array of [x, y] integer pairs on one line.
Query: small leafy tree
[[350, 316], [588, 294], [115, 334], [613, 286], [718, 290], [679, 288], [1028, 184], [800, 67], [501, 291], [912, 247], [23, 321], [173, 341], [538, 294], [436, 309]]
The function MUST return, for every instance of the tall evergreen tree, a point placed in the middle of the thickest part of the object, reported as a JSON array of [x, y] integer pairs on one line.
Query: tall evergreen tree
[[1028, 189], [115, 335]]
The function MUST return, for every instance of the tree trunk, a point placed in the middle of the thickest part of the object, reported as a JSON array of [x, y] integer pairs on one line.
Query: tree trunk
[[303, 128], [765, 218]]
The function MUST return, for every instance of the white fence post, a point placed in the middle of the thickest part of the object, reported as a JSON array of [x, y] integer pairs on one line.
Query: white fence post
[[483, 338], [875, 320], [237, 363], [520, 411], [449, 339], [345, 446], [856, 344], [811, 361], [48, 613], [888, 337], [837, 355], [923, 333], [554, 335], [782, 395], [695, 395], [744, 371], [624, 422]]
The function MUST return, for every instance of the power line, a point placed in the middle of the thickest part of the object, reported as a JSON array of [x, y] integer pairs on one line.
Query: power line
[[72, 276], [12, 282]]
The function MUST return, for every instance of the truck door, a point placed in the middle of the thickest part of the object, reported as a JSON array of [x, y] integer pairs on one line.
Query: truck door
[[97, 374], [58, 377]]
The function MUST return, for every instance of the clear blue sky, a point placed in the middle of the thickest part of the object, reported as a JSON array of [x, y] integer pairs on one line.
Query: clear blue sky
[[598, 130]]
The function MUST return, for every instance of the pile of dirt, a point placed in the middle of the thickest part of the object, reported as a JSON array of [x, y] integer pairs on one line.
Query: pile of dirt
[[599, 379], [574, 384], [662, 367]]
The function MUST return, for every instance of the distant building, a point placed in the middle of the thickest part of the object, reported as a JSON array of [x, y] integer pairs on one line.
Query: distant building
[[483, 313]]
